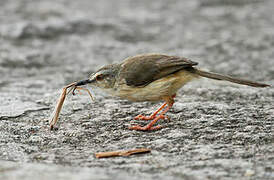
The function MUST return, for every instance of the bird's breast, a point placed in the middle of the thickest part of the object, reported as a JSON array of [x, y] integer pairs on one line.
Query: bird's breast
[[166, 86]]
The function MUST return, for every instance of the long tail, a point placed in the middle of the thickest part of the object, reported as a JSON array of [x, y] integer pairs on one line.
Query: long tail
[[228, 78]]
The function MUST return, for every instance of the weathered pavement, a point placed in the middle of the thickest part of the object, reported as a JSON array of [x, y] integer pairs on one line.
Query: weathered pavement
[[217, 130]]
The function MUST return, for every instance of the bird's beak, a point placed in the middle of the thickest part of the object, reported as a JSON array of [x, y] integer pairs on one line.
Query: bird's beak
[[84, 82]]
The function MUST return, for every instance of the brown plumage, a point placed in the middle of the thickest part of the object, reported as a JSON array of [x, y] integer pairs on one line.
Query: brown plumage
[[228, 78], [144, 69], [153, 77]]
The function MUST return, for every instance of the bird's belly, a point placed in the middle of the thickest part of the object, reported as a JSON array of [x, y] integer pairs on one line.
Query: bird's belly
[[156, 90]]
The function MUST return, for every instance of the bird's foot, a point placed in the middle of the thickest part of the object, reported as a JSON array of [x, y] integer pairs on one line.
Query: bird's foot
[[145, 128], [149, 127], [151, 117]]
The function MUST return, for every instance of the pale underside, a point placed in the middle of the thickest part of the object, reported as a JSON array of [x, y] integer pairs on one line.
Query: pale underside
[[155, 91]]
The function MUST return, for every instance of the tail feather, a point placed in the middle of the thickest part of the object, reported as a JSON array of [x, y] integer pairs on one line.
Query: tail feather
[[228, 78]]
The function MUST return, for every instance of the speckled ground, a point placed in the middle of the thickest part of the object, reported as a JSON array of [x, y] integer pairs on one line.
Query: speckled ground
[[217, 130]]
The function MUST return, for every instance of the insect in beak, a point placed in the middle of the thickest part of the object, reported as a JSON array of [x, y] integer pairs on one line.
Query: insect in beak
[[81, 83], [73, 86]]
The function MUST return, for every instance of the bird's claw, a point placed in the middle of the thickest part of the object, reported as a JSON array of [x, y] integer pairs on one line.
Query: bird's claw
[[145, 128], [141, 117], [146, 118]]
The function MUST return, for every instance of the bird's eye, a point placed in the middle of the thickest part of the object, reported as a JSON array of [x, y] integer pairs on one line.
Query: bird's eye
[[99, 77]]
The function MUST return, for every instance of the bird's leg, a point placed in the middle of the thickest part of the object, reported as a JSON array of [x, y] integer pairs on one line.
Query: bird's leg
[[170, 101], [152, 116]]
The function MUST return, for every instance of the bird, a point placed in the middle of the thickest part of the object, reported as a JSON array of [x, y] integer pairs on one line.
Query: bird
[[152, 77]]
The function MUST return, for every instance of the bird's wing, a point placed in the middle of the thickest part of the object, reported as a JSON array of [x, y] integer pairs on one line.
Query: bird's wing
[[143, 69]]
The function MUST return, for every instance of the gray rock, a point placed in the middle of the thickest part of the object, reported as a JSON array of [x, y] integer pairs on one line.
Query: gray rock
[[216, 130]]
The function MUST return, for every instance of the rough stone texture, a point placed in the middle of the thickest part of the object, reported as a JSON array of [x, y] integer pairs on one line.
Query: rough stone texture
[[217, 130]]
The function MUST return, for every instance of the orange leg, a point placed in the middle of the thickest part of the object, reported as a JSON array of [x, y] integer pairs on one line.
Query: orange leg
[[148, 127], [152, 116]]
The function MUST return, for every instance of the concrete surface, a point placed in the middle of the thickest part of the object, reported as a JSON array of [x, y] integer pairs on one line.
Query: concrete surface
[[217, 130]]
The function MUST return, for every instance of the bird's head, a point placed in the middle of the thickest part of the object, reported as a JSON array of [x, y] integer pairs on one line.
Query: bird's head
[[104, 78]]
